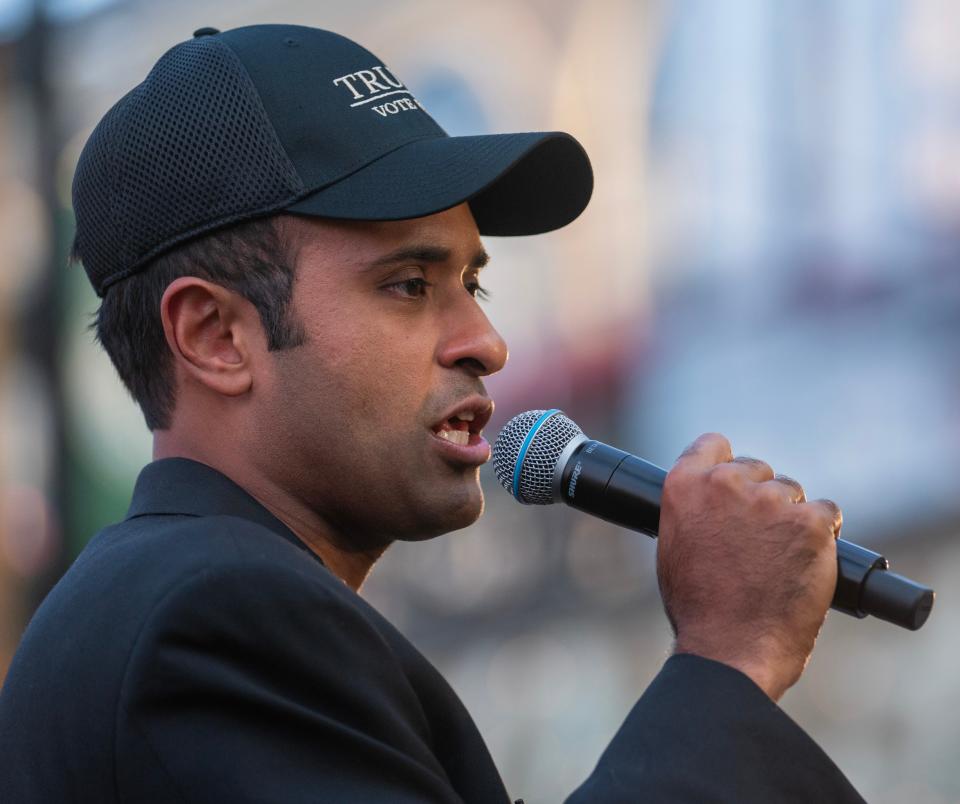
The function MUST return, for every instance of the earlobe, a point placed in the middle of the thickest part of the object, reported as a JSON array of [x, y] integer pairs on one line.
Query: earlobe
[[207, 328]]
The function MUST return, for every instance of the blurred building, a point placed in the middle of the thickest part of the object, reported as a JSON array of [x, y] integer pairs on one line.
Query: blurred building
[[771, 252]]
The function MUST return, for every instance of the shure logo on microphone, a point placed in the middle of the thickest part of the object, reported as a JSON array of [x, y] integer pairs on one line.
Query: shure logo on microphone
[[369, 86], [572, 488]]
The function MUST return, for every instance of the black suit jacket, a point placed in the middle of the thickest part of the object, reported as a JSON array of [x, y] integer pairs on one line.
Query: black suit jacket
[[199, 652]]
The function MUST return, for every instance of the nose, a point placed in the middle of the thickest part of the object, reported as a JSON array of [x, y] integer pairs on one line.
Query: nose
[[471, 342]]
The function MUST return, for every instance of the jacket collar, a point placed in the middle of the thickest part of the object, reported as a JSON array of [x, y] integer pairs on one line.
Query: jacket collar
[[184, 487]]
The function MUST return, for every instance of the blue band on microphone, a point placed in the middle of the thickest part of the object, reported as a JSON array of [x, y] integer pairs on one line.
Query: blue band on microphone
[[523, 449]]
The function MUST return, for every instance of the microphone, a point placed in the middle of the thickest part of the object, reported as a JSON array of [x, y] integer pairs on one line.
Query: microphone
[[542, 457]]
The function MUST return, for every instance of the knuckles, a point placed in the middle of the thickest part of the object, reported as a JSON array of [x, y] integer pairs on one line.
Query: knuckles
[[832, 512], [769, 497], [742, 561], [726, 477], [717, 441], [829, 516], [732, 486], [817, 525], [711, 444], [761, 469]]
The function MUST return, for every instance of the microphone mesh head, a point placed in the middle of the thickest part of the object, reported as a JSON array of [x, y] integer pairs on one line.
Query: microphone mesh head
[[535, 486]]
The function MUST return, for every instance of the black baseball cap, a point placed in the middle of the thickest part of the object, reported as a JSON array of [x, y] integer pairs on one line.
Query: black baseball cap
[[239, 124]]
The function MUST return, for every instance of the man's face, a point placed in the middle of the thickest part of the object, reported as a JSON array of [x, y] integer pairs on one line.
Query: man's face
[[369, 423]]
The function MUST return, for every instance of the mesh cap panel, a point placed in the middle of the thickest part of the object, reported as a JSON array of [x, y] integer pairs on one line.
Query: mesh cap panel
[[188, 150], [540, 460], [261, 119]]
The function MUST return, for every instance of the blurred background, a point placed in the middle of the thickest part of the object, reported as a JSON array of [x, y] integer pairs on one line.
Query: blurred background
[[771, 252]]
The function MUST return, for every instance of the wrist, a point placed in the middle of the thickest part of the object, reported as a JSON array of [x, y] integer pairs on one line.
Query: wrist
[[769, 674]]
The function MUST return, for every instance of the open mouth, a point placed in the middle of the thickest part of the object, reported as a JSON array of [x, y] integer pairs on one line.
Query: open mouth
[[456, 429], [464, 425]]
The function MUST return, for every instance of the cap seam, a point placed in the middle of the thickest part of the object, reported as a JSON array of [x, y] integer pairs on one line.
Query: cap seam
[[249, 215], [180, 237], [195, 148], [256, 94]]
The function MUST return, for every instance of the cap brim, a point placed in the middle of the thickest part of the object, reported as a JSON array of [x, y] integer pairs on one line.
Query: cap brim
[[517, 184]]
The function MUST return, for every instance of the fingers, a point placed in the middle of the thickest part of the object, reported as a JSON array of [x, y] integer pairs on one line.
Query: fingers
[[712, 449], [722, 515], [708, 450], [711, 452], [830, 514], [794, 490], [757, 470]]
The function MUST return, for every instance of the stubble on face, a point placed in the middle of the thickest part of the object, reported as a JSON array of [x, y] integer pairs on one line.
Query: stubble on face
[[391, 347]]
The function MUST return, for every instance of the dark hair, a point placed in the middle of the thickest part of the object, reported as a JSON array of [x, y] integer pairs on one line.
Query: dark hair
[[255, 259]]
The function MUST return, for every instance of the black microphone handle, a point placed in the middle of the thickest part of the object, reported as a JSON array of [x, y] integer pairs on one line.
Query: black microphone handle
[[624, 489]]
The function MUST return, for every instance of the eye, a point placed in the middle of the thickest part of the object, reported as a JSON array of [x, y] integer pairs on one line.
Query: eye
[[474, 289], [413, 288]]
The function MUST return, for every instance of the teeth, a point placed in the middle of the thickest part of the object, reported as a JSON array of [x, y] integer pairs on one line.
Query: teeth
[[459, 437], [466, 416]]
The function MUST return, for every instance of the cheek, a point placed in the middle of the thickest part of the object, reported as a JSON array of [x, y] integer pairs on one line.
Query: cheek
[[369, 373]]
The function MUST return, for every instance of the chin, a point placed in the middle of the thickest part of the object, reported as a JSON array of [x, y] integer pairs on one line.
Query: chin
[[448, 518]]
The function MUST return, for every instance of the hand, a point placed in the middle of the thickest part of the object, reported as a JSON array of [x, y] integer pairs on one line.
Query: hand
[[747, 567]]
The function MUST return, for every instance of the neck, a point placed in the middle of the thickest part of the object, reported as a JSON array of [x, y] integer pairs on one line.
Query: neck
[[352, 566]]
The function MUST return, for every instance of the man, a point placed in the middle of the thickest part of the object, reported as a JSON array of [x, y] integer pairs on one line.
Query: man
[[288, 250]]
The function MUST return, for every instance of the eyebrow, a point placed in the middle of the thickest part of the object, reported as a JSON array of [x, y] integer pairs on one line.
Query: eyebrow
[[426, 254]]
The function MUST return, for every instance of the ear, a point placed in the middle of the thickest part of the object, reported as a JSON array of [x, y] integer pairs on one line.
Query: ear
[[212, 332]]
